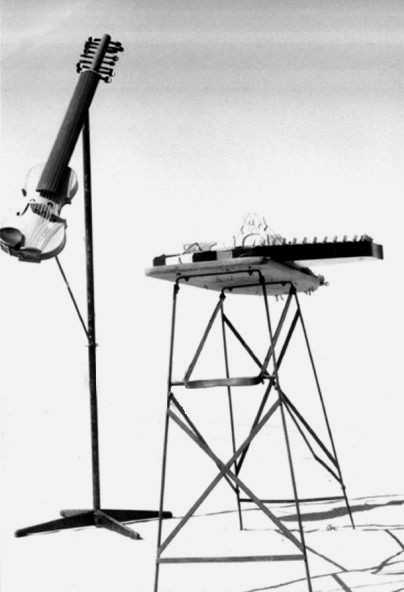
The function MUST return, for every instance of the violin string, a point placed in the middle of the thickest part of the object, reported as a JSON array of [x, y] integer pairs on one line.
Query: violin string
[[37, 231], [45, 229], [42, 230]]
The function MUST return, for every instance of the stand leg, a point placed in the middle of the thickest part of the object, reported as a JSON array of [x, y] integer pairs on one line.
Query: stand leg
[[287, 441], [164, 462], [105, 521], [320, 394], [74, 521], [230, 401], [122, 515]]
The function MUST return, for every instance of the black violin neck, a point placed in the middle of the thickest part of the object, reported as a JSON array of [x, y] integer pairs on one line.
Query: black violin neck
[[68, 134], [66, 139]]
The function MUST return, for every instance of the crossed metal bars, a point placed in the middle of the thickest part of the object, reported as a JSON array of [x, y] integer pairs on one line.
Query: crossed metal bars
[[230, 470]]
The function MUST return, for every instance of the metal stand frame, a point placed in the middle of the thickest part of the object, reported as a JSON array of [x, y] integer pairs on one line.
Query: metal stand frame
[[102, 518], [230, 469]]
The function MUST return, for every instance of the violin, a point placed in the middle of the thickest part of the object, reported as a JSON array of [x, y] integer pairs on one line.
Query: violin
[[37, 231]]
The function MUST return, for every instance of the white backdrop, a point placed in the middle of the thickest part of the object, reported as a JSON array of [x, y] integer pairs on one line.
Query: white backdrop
[[291, 109]]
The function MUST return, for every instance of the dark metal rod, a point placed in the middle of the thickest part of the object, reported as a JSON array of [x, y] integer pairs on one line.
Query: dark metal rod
[[231, 414], [242, 341], [91, 313], [195, 430], [320, 394], [230, 559], [203, 340], [300, 417], [305, 438], [287, 441], [271, 349], [164, 462], [72, 296], [225, 469], [270, 385], [218, 477]]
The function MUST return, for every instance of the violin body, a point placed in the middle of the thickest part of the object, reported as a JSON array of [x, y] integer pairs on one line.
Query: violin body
[[37, 231]]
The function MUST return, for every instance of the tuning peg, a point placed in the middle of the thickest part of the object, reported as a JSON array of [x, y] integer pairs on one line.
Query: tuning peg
[[344, 239], [108, 62], [115, 45], [107, 71], [90, 45], [87, 56], [294, 241], [304, 241], [315, 239], [325, 239], [355, 238], [114, 48], [335, 238], [111, 60]]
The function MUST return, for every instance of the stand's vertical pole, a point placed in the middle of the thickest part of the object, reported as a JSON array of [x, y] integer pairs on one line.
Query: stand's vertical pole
[[91, 313]]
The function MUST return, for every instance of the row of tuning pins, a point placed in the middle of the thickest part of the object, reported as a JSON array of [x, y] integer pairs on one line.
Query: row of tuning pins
[[295, 241], [281, 297], [89, 52]]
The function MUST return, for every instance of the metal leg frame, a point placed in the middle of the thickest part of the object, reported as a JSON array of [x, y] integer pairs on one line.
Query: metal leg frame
[[302, 425], [231, 414], [230, 470]]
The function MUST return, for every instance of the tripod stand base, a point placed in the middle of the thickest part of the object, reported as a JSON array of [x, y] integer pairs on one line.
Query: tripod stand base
[[110, 519]]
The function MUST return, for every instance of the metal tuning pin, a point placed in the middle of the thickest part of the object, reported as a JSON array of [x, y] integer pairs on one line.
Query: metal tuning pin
[[355, 238], [345, 238], [325, 239], [99, 56], [294, 241], [108, 71], [304, 241], [314, 239], [335, 238], [110, 61]]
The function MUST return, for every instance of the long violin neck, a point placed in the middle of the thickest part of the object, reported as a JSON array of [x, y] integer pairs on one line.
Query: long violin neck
[[66, 139], [68, 134]]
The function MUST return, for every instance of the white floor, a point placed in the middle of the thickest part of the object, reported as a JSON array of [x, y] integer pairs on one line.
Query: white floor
[[369, 558]]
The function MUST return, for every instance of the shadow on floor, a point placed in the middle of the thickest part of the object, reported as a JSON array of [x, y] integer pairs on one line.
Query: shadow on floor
[[339, 512]]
